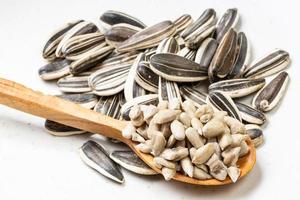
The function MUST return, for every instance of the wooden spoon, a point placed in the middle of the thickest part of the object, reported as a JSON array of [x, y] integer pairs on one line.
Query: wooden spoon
[[53, 108]]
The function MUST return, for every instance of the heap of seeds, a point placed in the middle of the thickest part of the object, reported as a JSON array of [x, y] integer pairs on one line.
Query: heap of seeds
[[129, 71]]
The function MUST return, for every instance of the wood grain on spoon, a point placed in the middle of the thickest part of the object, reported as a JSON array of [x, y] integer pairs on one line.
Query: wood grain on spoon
[[36, 103]]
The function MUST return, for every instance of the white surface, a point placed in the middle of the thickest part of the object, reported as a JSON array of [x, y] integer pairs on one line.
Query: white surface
[[37, 166]]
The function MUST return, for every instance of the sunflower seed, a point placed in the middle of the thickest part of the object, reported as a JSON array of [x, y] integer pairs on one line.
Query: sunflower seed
[[227, 21], [206, 18], [193, 94], [109, 106], [95, 156], [206, 52], [193, 42], [51, 44], [176, 68], [90, 60], [148, 37], [74, 84], [220, 101], [54, 70], [120, 32], [271, 63], [238, 87], [131, 88], [130, 161], [269, 96], [182, 22], [255, 133], [250, 114], [149, 52], [118, 59], [187, 53], [81, 45], [86, 100], [242, 57], [58, 129], [146, 78], [111, 17], [168, 45], [150, 99], [81, 28], [108, 81], [168, 90], [224, 57]]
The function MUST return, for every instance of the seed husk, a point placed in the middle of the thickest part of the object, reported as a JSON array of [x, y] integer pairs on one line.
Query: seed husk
[[273, 62], [86, 100], [242, 57], [206, 18], [146, 78], [95, 156], [90, 60], [81, 45], [168, 90], [195, 41], [182, 22], [250, 115], [54, 70], [187, 53], [223, 60], [51, 45], [81, 28], [269, 96], [58, 129], [74, 84], [108, 81], [238, 87], [176, 68], [109, 105], [168, 45], [226, 22], [130, 161], [255, 133], [112, 17], [148, 37], [206, 52], [223, 102], [193, 94], [118, 59], [141, 100]]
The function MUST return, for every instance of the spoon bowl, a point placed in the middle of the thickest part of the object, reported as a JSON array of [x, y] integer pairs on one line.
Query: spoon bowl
[[56, 109]]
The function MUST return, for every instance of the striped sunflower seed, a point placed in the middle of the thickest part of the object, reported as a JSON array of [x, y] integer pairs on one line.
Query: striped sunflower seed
[[109, 106], [193, 94], [222, 102], [58, 129], [108, 81], [207, 17], [112, 17], [271, 63], [242, 57], [81, 28], [195, 41], [187, 53], [176, 68], [51, 45], [130, 161], [206, 52], [131, 88], [255, 133], [90, 60], [168, 90], [146, 78], [74, 84], [120, 32], [148, 37], [182, 22], [238, 87], [150, 99], [168, 45], [250, 114], [86, 100], [81, 45], [269, 96], [95, 156], [226, 22], [118, 59], [224, 57], [54, 70]]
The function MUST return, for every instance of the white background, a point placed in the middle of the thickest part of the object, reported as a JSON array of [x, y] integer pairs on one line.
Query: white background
[[35, 165]]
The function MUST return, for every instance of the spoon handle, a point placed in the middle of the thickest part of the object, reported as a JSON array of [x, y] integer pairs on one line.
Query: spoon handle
[[21, 98]]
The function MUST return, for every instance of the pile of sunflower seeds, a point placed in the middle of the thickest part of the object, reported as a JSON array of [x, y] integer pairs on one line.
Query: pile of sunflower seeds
[[199, 142], [120, 63]]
